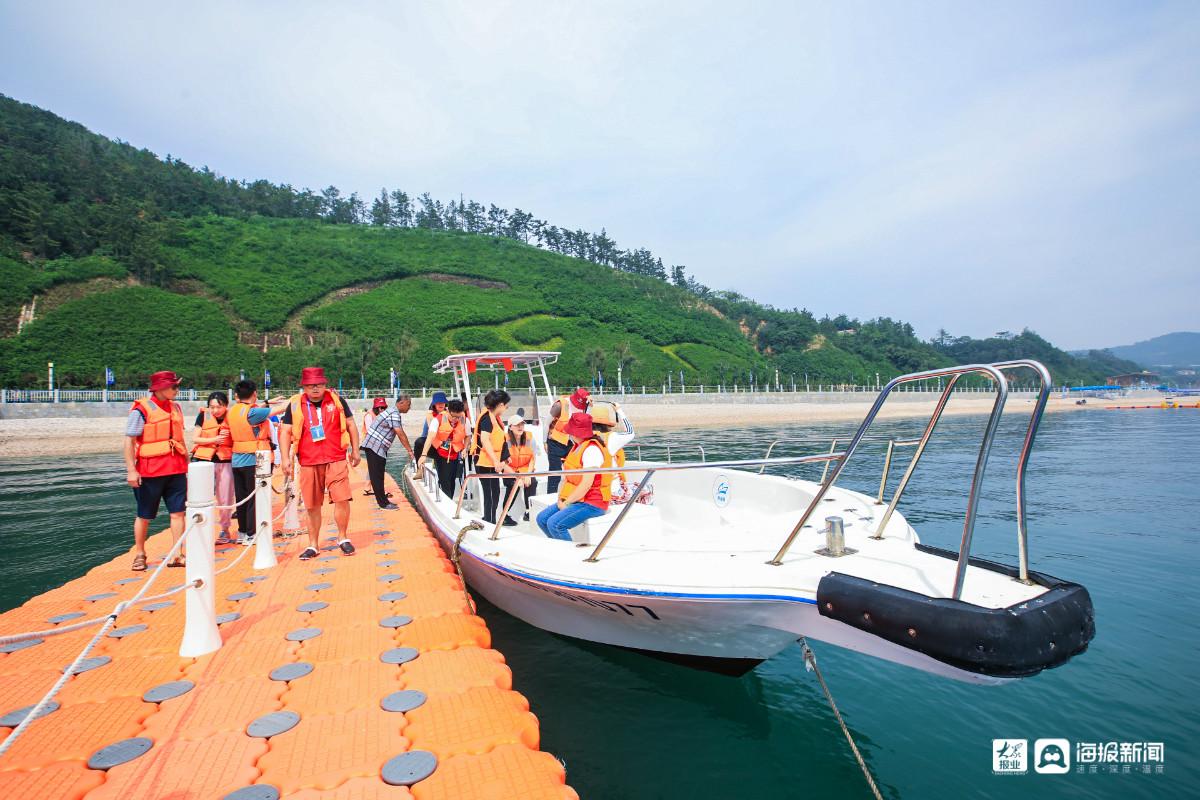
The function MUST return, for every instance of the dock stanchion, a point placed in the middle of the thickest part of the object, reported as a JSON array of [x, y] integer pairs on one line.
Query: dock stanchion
[[264, 547], [291, 513], [200, 633]]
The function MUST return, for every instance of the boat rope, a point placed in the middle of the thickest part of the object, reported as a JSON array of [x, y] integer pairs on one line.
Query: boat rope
[[455, 558], [109, 621], [811, 661]]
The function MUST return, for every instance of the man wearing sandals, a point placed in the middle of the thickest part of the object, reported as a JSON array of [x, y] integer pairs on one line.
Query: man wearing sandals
[[317, 425], [156, 461]]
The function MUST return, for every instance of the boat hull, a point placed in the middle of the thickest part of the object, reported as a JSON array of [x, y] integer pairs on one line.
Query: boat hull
[[745, 629]]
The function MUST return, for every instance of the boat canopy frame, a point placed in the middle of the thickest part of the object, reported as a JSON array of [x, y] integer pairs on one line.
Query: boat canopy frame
[[461, 365]]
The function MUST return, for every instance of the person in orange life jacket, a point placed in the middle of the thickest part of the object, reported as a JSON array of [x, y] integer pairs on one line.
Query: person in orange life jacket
[[156, 461], [558, 444], [389, 426], [520, 449], [437, 405], [487, 445], [213, 442], [582, 496], [446, 442], [318, 426], [250, 431]]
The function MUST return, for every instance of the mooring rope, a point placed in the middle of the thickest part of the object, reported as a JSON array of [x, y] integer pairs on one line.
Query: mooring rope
[[811, 661], [455, 558]]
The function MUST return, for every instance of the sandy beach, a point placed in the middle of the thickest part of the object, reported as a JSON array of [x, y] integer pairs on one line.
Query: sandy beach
[[54, 436]]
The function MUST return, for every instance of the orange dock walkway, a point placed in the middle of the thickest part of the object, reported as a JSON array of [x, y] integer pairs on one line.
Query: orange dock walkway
[[458, 691]]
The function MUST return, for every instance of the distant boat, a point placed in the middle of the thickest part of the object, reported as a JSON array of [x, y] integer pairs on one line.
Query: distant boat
[[728, 566]]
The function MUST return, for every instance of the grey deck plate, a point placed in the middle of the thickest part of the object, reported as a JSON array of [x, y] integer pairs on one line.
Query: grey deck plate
[[168, 690], [13, 647], [399, 655], [230, 617], [254, 579], [387, 551], [290, 672], [391, 576], [159, 606], [70, 615], [89, 664], [14, 718], [124, 581], [391, 562], [403, 701], [391, 597], [408, 768], [119, 753], [303, 634], [128, 630], [103, 595], [240, 596], [259, 791], [316, 587], [397, 621], [273, 724], [309, 608]]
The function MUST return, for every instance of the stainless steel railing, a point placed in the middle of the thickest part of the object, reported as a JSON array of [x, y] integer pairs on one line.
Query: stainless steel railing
[[887, 467]]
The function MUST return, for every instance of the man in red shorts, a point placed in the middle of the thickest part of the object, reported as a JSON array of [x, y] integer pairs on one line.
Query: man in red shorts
[[318, 424]]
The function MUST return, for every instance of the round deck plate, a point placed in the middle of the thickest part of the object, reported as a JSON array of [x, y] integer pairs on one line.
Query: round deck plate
[[119, 753], [159, 606], [403, 701], [399, 655], [66, 617], [89, 664], [124, 581], [303, 634], [316, 587], [14, 718], [391, 576], [389, 563], [397, 621], [309, 608], [324, 570], [240, 596], [328, 558], [384, 541], [260, 791], [391, 597], [409, 768], [128, 630], [387, 551], [102, 596], [273, 724], [166, 691], [13, 647], [290, 672], [230, 617], [254, 579]]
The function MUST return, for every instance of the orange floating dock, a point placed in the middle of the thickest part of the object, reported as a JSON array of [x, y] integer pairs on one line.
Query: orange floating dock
[[396, 625]]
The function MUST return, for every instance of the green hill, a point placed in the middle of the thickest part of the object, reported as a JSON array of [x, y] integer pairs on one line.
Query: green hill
[[139, 264]]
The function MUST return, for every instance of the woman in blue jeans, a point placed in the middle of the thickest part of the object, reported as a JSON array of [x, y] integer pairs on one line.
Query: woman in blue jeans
[[584, 496]]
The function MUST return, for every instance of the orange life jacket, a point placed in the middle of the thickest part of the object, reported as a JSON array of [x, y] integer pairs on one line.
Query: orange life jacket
[[600, 492], [210, 428], [560, 422], [247, 438], [449, 439], [298, 419], [163, 433], [497, 438], [520, 456]]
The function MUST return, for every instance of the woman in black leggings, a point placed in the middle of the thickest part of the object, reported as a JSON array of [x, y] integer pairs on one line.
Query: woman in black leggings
[[487, 445]]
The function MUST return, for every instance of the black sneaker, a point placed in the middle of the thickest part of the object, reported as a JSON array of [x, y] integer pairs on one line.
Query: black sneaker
[[509, 522], [389, 507], [526, 516], [309, 552], [347, 548]]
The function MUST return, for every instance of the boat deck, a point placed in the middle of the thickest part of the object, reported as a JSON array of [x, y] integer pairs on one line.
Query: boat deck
[[327, 623]]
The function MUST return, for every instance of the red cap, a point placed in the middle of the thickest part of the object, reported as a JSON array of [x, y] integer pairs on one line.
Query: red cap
[[580, 399], [164, 380], [312, 375], [580, 425], [380, 403]]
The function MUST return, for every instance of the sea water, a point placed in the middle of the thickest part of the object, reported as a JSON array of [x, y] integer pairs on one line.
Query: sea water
[[1113, 504]]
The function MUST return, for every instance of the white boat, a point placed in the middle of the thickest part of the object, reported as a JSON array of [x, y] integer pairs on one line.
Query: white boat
[[728, 566]]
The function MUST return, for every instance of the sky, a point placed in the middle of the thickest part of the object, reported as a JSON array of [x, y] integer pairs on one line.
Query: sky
[[977, 167]]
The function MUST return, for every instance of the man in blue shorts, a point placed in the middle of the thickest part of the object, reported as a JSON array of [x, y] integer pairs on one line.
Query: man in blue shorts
[[156, 461]]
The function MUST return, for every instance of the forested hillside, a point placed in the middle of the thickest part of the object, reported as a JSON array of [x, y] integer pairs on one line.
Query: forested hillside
[[114, 257]]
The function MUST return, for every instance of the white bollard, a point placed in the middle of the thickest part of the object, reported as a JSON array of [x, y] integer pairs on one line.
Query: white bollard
[[200, 634], [291, 514], [264, 546]]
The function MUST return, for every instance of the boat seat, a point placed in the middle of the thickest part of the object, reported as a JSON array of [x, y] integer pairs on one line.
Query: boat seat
[[640, 519]]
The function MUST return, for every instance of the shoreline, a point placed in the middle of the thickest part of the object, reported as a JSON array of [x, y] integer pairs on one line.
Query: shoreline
[[59, 436]]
